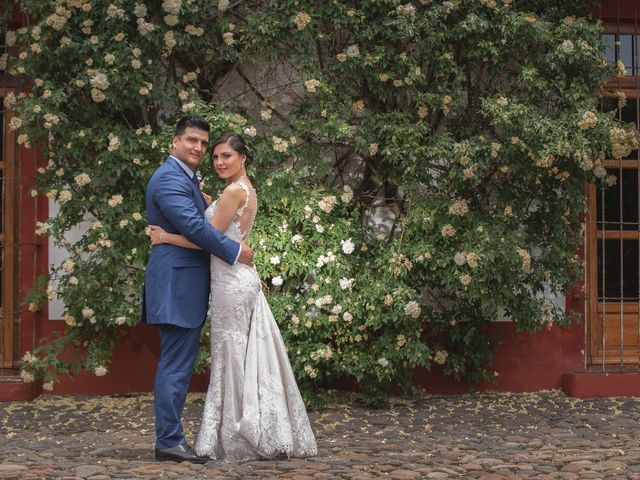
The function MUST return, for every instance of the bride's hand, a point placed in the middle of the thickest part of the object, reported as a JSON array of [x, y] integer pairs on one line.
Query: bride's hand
[[207, 198], [156, 234]]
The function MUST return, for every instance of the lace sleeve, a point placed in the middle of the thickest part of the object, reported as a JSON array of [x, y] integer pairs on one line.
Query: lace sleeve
[[241, 210], [245, 216]]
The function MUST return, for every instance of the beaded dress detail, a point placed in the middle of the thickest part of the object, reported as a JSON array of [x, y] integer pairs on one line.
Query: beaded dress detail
[[253, 408]]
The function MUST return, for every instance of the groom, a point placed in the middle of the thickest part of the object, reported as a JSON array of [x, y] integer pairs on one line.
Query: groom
[[176, 290]]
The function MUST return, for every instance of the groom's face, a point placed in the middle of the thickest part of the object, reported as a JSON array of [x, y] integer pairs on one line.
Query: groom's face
[[190, 147]]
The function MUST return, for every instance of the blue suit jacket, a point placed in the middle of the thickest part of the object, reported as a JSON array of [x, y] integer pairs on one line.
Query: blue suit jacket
[[176, 288]]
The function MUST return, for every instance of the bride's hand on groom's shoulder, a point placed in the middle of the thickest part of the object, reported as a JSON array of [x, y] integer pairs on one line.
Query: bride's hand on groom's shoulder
[[207, 198]]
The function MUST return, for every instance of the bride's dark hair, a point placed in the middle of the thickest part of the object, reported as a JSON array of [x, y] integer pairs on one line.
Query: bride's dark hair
[[237, 143]]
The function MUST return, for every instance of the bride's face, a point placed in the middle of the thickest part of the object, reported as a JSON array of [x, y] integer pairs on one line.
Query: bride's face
[[228, 163]]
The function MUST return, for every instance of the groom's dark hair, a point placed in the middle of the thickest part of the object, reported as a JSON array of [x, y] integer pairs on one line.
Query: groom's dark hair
[[191, 121]]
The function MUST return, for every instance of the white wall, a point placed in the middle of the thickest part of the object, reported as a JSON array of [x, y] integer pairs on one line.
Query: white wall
[[58, 255]]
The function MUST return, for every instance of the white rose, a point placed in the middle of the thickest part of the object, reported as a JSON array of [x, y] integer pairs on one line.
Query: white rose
[[100, 81], [347, 194], [567, 46], [347, 246], [346, 283], [171, 20], [460, 258], [27, 377], [140, 10], [412, 309], [115, 200], [65, 196], [440, 357], [228, 39]]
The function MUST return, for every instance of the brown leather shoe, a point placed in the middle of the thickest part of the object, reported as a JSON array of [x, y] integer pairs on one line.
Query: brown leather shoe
[[179, 453]]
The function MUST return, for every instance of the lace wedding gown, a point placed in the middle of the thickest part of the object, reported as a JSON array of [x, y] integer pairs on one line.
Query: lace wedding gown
[[253, 408]]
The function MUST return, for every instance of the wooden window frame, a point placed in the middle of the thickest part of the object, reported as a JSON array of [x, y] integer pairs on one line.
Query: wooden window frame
[[9, 238], [624, 353]]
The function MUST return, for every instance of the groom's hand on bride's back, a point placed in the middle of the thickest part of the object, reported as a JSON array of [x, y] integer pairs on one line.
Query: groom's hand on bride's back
[[246, 254]]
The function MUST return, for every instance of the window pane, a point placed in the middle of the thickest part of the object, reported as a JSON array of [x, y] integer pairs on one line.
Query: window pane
[[636, 55], [609, 40], [1, 201], [629, 113], [629, 185], [618, 269], [626, 52], [608, 104], [2, 131], [609, 216], [1, 277]]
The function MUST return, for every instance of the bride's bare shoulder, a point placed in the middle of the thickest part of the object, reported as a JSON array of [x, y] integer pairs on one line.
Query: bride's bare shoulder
[[233, 188], [233, 194]]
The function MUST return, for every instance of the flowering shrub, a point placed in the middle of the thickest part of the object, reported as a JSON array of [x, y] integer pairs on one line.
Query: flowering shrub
[[414, 168]]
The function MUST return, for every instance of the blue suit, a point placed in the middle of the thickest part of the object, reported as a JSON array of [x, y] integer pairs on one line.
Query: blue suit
[[176, 290]]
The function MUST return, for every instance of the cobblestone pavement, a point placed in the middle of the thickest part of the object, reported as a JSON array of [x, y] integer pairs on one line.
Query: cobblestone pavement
[[545, 435]]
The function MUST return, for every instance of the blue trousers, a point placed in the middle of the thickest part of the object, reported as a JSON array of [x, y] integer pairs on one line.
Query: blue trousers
[[178, 350]]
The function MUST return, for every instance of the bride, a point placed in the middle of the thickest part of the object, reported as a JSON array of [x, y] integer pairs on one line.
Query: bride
[[253, 408]]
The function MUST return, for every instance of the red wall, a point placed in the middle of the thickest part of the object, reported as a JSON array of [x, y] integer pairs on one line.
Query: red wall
[[608, 11], [132, 367], [525, 362]]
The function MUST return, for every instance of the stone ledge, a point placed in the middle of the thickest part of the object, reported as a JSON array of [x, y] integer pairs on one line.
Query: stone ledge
[[601, 384], [12, 389]]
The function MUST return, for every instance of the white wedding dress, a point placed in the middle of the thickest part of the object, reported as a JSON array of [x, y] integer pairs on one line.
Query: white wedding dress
[[253, 408]]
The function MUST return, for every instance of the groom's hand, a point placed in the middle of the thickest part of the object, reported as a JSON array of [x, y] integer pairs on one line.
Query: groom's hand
[[246, 254]]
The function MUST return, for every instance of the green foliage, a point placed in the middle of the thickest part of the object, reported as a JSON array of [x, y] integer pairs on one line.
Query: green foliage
[[417, 165]]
